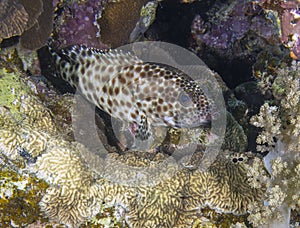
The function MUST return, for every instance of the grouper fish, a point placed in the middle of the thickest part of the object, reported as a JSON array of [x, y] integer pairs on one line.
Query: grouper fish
[[143, 94]]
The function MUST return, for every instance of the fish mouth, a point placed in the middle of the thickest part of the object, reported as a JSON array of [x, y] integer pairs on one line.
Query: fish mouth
[[205, 124], [202, 124]]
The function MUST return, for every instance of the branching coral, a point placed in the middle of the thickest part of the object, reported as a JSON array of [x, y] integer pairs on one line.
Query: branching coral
[[281, 121], [280, 136]]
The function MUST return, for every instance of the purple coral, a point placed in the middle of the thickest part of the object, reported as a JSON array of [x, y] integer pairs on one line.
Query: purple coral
[[223, 29], [219, 36], [222, 32], [290, 28], [78, 26], [289, 16]]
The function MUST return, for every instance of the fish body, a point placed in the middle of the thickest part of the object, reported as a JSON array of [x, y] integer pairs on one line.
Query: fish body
[[140, 93]]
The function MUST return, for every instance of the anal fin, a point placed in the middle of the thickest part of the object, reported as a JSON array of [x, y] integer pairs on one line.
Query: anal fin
[[143, 130]]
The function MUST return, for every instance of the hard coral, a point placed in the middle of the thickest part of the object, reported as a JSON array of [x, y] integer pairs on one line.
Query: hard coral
[[18, 106], [224, 186], [27, 132], [40, 29], [76, 192], [176, 200], [118, 20], [13, 17], [72, 197], [148, 189], [30, 20]]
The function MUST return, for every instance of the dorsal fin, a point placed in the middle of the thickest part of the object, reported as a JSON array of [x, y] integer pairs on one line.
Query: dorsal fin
[[113, 57]]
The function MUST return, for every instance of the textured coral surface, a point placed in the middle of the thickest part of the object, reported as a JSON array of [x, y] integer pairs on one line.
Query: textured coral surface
[[56, 173]]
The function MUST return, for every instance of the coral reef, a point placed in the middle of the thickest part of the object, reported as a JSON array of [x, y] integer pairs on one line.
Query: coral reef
[[72, 197], [286, 14], [173, 201], [37, 35], [229, 29], [31, 21], [279, 120], [75, 23], [102, 24], [118, 20], [229, 35], [147, 18], [152, 192], [13, 19], [47, 178], [19, 198]]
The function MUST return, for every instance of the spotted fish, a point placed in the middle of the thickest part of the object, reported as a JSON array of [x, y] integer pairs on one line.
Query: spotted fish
[[140, 93]]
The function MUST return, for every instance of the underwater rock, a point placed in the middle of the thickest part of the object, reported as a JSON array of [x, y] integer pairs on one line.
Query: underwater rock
[[228, 37], [286, 14], [227, 27], [75, 23]]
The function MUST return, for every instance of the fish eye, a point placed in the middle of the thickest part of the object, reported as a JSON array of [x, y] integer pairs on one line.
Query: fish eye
[[184, 99]]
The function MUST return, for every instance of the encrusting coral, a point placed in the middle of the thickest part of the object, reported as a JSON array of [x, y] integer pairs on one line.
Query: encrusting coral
[[40, 25], [20, 194], [175, 200]]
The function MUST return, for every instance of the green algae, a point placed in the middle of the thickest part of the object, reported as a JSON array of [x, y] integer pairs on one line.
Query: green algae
[[12, 90]]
